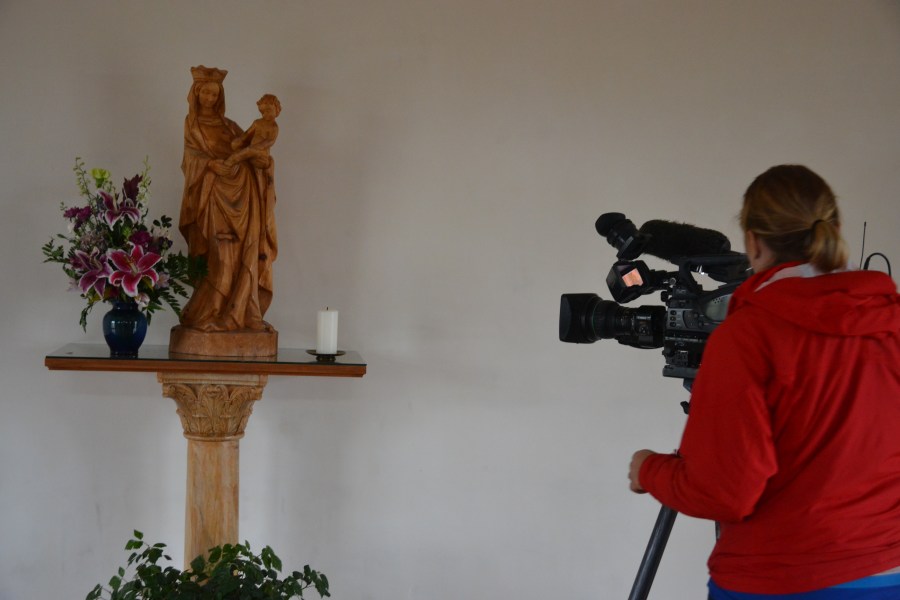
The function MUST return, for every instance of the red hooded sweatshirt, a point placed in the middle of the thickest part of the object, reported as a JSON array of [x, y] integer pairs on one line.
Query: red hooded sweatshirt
[[793, 437]]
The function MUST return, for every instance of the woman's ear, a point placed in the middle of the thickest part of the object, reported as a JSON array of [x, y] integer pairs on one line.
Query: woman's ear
[[751, 244], [759, 254]]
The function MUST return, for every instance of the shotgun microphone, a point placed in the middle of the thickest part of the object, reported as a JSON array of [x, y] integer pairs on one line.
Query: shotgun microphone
[[663, 239], [668, 240]]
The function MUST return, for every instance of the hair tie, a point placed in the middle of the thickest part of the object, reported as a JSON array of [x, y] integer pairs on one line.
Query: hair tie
[[812, 227]]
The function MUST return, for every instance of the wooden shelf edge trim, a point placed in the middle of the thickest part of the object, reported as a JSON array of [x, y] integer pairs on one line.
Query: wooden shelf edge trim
[[153, 366]]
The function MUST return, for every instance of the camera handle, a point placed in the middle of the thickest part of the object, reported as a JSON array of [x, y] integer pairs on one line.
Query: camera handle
[[653, 554]]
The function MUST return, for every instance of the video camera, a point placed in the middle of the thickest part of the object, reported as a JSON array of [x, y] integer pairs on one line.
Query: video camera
[[690, 314]]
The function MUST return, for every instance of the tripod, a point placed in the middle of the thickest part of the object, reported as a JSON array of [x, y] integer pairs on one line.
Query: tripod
[[653, 554], [640, 589]]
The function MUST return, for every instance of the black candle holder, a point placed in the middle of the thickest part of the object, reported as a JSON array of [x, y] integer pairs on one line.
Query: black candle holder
[[326, 357]]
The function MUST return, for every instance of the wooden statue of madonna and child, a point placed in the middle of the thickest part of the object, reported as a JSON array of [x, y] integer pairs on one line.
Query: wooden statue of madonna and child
[[227, 218]]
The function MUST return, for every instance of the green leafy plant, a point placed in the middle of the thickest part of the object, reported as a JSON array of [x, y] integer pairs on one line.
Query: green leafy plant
[[230, 572]]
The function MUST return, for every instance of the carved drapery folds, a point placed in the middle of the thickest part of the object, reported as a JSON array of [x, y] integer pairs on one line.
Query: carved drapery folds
[[213, 407]]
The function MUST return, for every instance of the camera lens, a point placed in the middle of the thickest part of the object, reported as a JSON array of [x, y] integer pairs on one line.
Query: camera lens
[[586, 318]]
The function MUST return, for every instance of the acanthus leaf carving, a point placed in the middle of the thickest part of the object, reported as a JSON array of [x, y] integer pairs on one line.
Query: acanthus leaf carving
[[213, 407]]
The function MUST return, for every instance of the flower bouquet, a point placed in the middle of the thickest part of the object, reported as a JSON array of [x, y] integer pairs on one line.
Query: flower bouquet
[[111, 255]]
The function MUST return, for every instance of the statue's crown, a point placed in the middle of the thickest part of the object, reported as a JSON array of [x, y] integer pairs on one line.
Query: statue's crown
[[202, 73]]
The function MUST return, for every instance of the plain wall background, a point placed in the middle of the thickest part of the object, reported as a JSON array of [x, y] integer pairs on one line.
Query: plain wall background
[[439, 169]]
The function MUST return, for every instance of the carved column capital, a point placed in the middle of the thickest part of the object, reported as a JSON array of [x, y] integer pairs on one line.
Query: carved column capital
[[213, 407]]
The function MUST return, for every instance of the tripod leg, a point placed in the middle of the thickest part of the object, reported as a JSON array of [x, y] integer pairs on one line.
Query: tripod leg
[[653, 554]]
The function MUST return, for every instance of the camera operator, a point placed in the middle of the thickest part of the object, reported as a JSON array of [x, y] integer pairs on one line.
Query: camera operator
[[793, 439]]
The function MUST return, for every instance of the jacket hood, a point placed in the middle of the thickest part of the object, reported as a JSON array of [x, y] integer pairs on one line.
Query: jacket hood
[[849, 303]]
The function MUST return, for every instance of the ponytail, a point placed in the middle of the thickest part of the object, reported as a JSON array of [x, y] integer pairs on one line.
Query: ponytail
[[827, 250]]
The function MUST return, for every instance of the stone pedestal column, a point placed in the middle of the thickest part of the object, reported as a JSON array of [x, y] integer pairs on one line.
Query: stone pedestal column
[[214, 410]]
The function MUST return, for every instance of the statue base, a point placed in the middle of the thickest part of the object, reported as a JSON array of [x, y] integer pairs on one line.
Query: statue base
[[241, 343]]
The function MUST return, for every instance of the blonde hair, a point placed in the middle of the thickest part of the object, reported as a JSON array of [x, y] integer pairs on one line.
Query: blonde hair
[[795, 213]]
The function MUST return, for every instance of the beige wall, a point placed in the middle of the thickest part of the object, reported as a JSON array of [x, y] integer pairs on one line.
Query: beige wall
[[440, 167]]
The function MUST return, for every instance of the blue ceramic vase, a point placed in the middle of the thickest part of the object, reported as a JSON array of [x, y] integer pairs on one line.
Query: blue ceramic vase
[[124, 328]]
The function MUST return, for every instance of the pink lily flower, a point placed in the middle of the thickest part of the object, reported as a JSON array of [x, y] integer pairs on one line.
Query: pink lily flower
[[94, 268], [116, 210], [132, 268]]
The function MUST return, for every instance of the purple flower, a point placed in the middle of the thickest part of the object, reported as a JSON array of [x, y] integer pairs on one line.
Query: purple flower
[[163, 282], [78, 215], [141, 238], [116, 210], [94, 269], [131, 186], [132, 268]]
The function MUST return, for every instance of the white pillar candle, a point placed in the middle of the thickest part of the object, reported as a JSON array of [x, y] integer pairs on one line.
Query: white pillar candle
[[326, 339]]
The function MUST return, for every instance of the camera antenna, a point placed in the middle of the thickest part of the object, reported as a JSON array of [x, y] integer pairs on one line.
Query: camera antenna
[[862, 251], [864, 264]]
